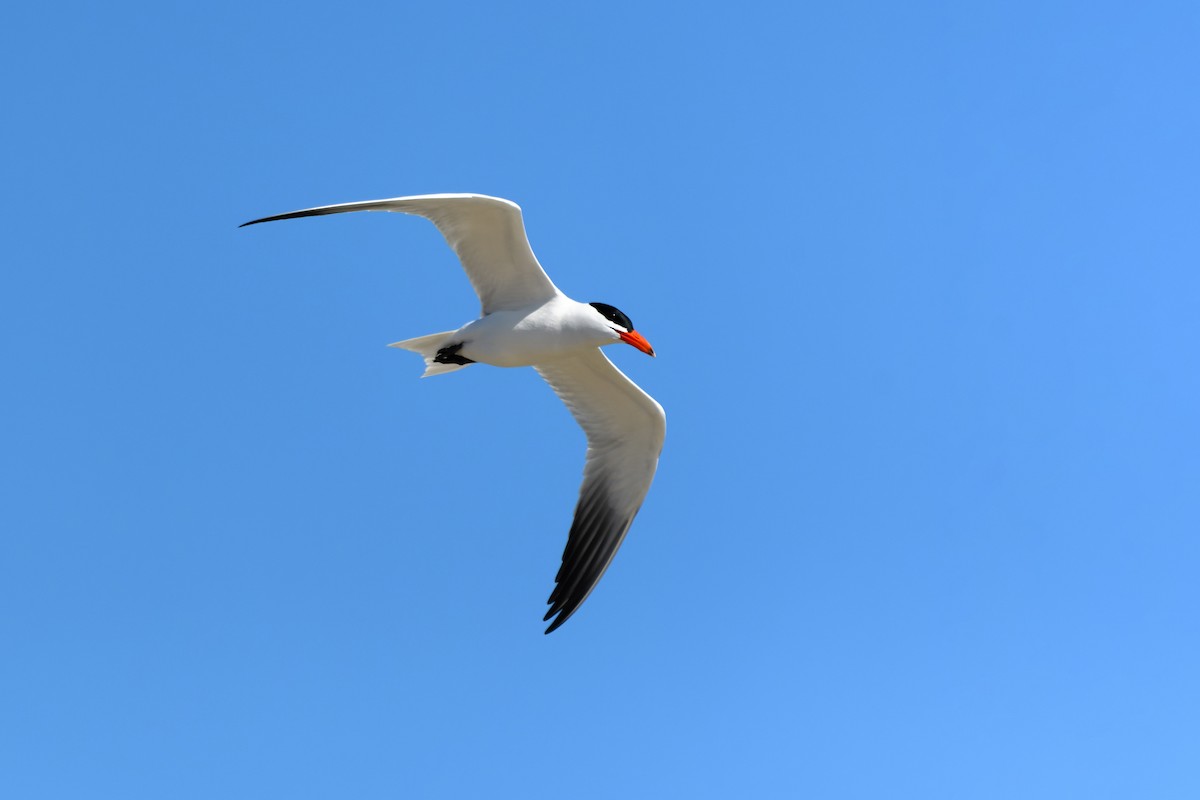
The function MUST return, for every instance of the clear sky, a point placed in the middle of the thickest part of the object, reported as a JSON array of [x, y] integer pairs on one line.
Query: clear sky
[[924, 283]]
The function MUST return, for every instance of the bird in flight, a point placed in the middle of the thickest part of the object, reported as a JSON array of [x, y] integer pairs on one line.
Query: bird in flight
[[527, 322]]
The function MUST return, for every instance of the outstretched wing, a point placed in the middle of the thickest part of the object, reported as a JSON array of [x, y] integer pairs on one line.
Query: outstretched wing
[[487, 233], [625, 429]]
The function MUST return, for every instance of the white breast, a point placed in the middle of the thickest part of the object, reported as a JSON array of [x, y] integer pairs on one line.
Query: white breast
[[534, 335]]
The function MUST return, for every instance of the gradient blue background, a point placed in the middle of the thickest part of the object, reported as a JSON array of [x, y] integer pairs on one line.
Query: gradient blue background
[[923, 280]]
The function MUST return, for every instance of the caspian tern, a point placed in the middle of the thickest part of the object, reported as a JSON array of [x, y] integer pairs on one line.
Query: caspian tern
[[527, 322]]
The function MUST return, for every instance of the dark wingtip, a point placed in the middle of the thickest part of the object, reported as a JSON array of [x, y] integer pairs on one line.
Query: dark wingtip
[[289, 215], [563, 613]]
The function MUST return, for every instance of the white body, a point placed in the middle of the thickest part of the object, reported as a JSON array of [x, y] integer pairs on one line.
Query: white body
[[533, 335]]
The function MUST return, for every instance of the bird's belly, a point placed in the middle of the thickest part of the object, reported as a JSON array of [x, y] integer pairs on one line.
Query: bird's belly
[[510, 339]]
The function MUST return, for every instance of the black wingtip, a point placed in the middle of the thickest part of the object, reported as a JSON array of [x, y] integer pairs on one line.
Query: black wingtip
[[277, 217], [563, 613]]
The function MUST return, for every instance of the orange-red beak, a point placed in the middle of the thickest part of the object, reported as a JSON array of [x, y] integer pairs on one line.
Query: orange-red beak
[[637, 340]]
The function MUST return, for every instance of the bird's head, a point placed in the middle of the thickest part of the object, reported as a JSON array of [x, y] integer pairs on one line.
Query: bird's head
[[622, 326]]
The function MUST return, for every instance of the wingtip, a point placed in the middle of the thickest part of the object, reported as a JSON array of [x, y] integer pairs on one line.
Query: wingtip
[[563, 614]]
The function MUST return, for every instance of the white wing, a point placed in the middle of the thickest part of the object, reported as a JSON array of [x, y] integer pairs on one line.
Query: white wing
[[487, 233], [625, 429]]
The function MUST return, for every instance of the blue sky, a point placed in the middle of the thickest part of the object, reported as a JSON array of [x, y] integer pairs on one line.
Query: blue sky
[[923, 284]]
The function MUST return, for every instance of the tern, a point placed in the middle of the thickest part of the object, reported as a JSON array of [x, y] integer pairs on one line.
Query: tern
[[527, 322]]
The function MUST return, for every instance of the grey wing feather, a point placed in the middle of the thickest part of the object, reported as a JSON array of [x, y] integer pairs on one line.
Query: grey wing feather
[[625, 428], [487, 234]]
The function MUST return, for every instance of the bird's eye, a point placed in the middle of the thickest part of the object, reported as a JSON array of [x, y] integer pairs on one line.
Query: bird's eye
[[614, 315]]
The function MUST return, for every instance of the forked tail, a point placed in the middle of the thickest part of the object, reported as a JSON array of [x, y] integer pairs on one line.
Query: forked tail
[[428, 347]]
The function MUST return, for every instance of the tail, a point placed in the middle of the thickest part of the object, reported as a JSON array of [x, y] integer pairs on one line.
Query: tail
[[428, 347]]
